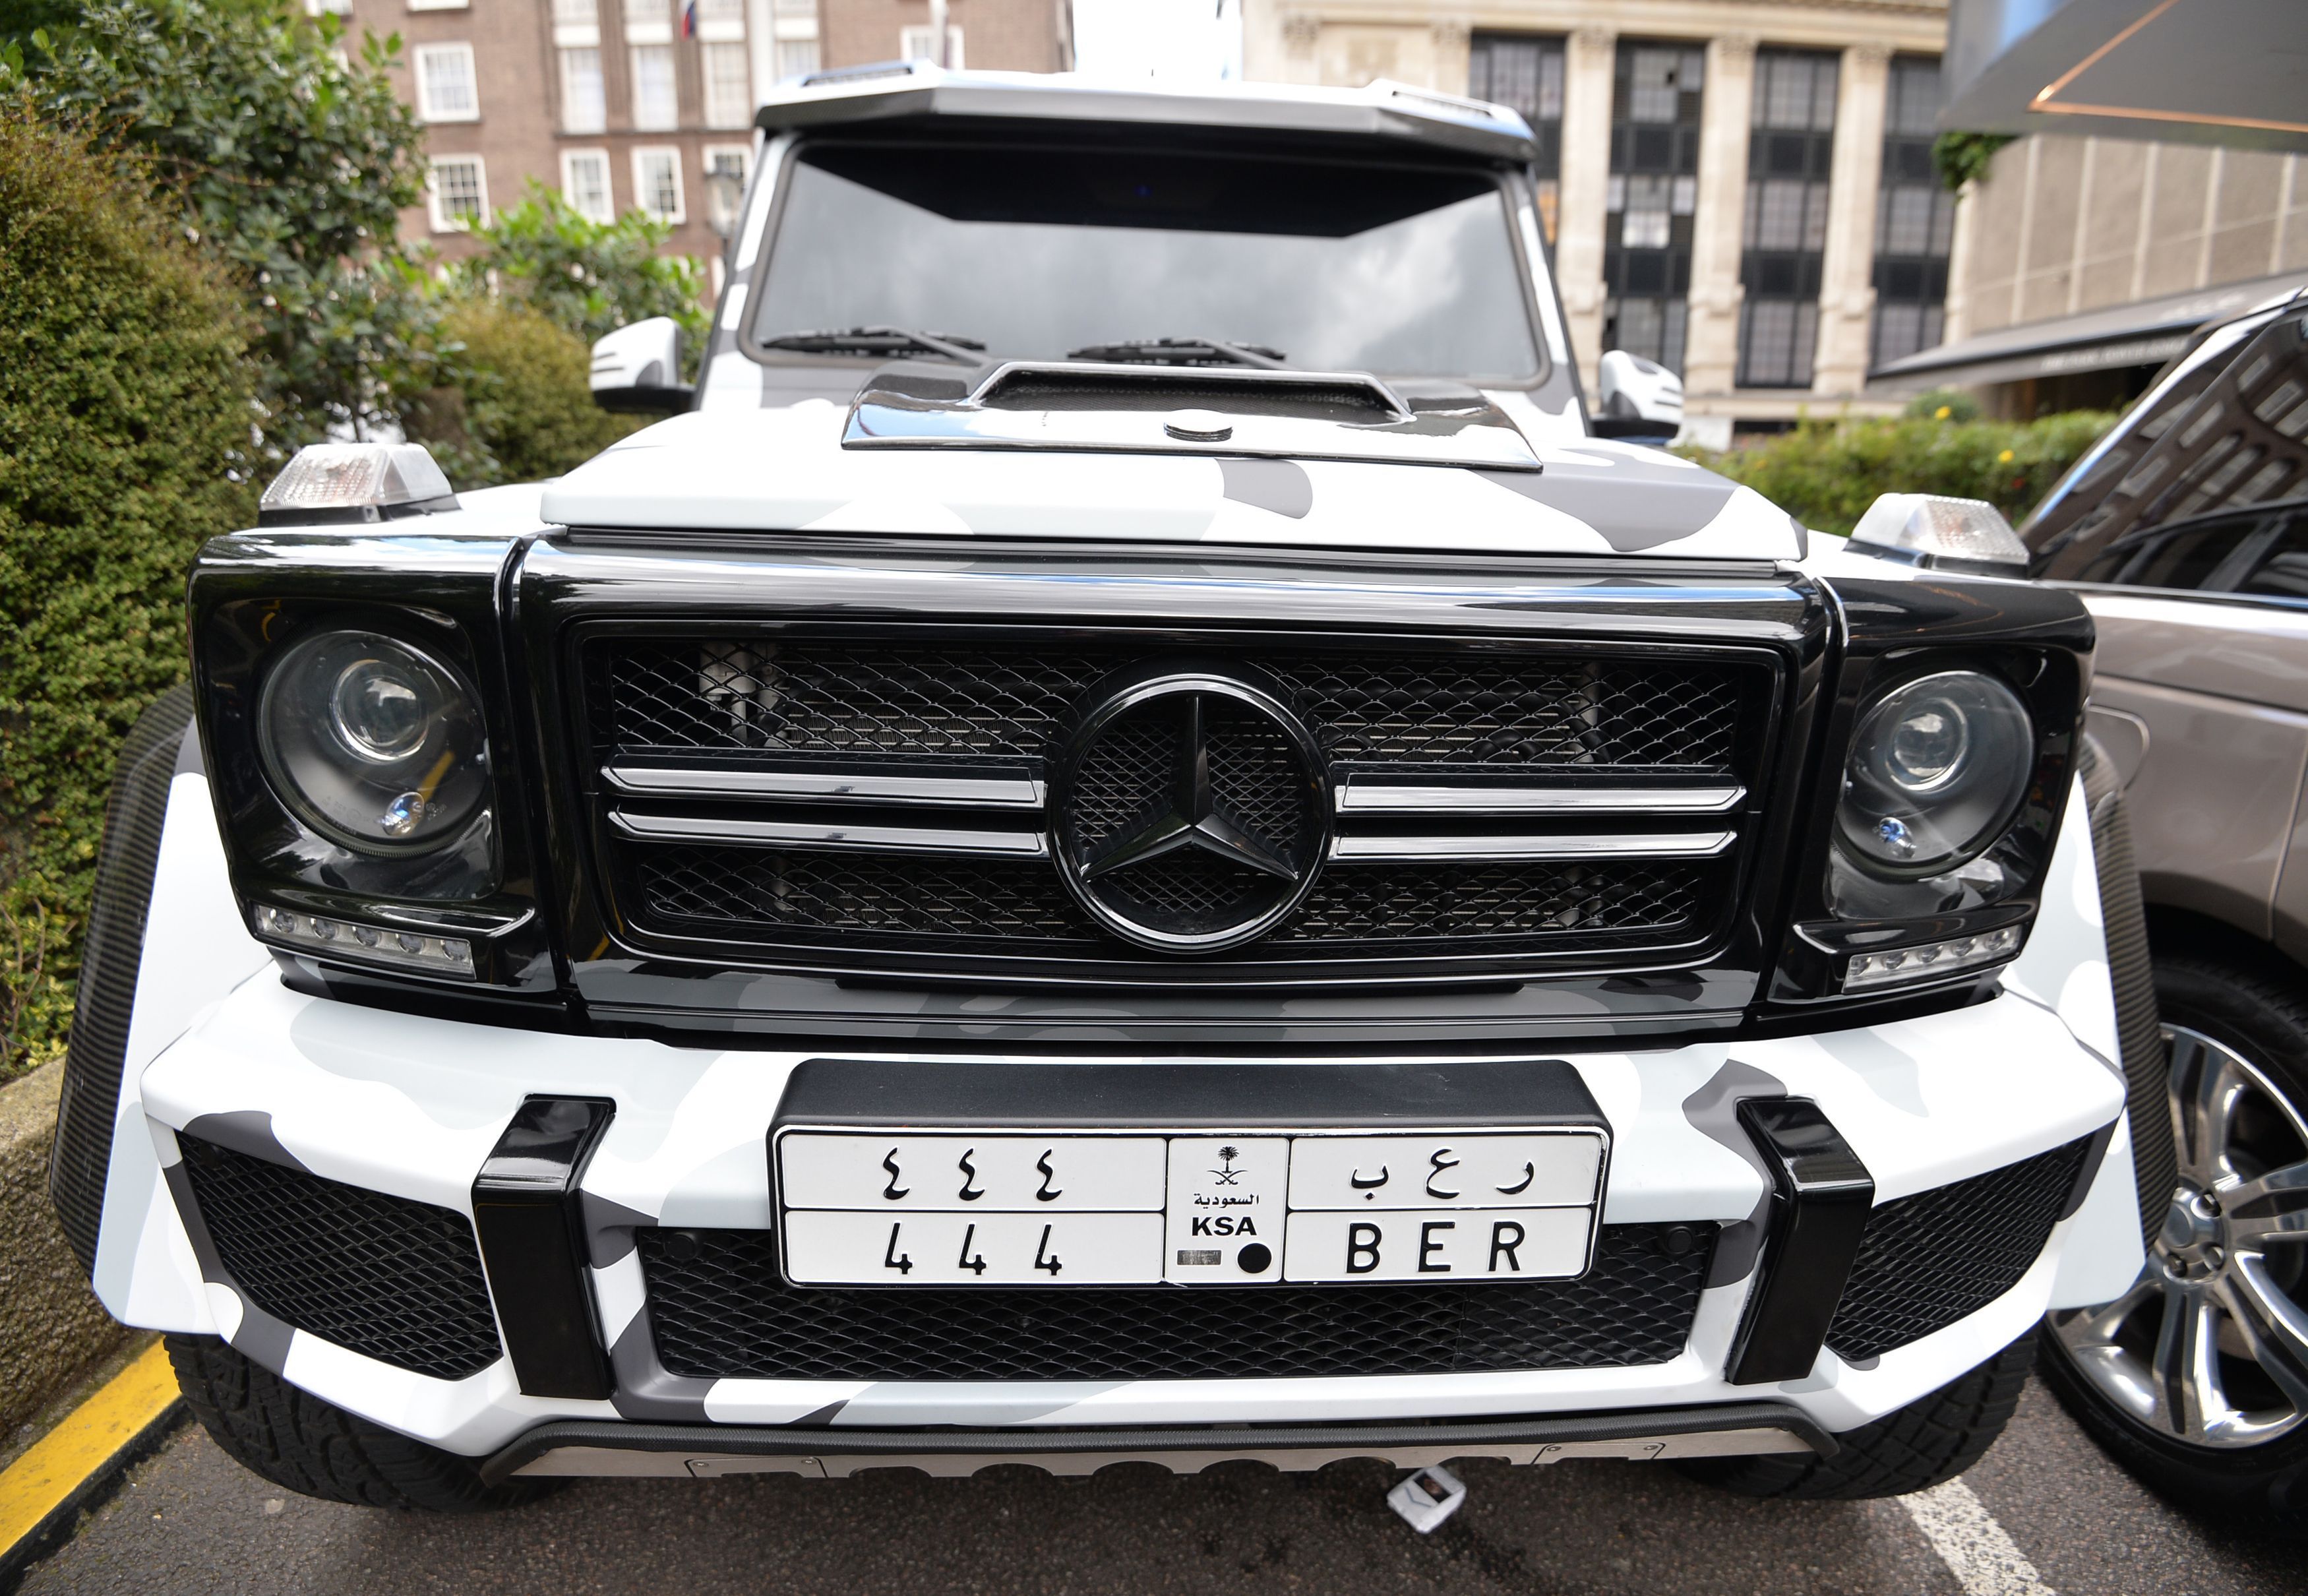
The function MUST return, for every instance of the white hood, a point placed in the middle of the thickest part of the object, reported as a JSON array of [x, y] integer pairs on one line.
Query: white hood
[[784, 470]]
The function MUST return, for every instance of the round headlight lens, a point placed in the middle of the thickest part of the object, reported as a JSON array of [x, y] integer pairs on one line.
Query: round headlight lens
[[372, 742], [1937, 769]]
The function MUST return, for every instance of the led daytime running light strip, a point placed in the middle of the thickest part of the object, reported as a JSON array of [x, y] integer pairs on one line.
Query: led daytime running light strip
[[1901, 966], [358, 944]]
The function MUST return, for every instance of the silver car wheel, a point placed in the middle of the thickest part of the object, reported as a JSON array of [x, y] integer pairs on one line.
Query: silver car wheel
[[2211, 1344]]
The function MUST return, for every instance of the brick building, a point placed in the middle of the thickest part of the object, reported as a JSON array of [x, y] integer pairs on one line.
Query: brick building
[[625, 103]]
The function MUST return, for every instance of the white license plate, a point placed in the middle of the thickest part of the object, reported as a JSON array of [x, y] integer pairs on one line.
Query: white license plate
[[1012, 1208]]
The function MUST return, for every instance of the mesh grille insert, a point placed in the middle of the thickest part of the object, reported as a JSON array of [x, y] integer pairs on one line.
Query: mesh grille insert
[[718, 1309], [853, 893], [824, 697], [1928, 1260], [397, 1280]]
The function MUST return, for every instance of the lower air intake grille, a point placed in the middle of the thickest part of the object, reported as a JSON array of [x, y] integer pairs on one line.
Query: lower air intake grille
[[719, 1308], [394, 1279], [903, 896], [1928, 1260]]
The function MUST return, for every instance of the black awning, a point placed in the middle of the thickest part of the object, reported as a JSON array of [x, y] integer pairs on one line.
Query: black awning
[[2142, 332], [2217, 72]]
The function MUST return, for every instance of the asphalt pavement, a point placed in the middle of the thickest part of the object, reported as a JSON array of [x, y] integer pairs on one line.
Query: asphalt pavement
[[191, 1520]]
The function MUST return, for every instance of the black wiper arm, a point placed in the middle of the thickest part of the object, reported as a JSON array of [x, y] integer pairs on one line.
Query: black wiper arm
[[1182, 351], [888, 342]]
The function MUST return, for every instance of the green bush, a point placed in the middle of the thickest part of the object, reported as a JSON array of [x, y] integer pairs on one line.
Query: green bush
[[283, 148], [589, 277], [1826, 473], [125, 412], [525, 410]]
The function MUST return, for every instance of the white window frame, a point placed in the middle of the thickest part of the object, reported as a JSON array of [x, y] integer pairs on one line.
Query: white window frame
[[642, 152], [797, 57], [740, 115], [440, 5], [673, 73], [569, 157], [425, 53], [913, 44], [442, 222], [569, 120]]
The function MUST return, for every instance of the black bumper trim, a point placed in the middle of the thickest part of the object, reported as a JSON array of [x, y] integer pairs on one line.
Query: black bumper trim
[[799, 1441]]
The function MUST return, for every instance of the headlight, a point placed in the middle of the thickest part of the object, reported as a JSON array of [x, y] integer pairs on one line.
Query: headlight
[[372, 742], [1937, 769]]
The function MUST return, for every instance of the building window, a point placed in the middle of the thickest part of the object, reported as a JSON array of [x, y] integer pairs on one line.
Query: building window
[[445, 91], [919, 43], [796, 57], [327, 8], [438, 4], [657, 104], [730, 13], [656, 183], [584, 103], [1914, 218], [585, 184], [458, 193], [728, 87], [722, 200], [1790, 153], [576, 14], [1516, 70], [1654, 190]]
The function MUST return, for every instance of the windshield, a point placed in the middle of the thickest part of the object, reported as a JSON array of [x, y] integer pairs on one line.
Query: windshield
[[1036, 253]]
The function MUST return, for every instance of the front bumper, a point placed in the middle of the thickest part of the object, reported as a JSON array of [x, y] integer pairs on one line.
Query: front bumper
[[412, 1106]]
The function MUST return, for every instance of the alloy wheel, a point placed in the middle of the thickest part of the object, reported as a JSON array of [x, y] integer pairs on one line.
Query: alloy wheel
[[2209, 1346]]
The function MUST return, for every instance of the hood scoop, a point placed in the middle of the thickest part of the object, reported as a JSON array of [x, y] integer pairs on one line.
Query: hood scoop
[[1140, 409]]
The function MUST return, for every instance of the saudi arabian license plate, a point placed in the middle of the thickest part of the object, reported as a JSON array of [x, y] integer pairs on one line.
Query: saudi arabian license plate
[[1012, 1208]]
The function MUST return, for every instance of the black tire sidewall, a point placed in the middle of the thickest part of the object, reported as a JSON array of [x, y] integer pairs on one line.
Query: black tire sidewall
[[2263, 1018]]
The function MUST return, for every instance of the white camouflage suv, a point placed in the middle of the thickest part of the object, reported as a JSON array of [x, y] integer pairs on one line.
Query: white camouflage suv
[[1126, 839]]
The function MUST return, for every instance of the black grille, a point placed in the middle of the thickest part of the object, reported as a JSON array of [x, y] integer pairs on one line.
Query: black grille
[[718, 1309], [1395, 902], [1928, 1260], [859, 892], [397, 1280], [821, 697], [727, 889]]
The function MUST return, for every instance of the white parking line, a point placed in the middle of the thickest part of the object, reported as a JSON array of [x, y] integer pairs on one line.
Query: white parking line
[[1971, 1543]]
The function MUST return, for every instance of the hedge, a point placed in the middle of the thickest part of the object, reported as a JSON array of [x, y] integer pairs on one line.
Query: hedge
[[525, 410], [1826, 473], [126, 395]]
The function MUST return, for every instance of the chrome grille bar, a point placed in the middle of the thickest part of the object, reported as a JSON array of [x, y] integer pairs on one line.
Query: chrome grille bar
[[1365, 795], [1495, 848], [810, 834], [985, 790]]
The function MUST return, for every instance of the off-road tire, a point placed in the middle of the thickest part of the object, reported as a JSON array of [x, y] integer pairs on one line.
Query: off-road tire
[[2262, 1013], [1930, 1440], [304, 1444]]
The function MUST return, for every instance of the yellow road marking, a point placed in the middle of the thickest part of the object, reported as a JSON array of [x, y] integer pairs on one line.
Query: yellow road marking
[[64, 1460]]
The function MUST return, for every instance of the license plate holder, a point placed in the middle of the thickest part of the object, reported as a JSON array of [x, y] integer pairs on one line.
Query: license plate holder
[[871, 1194]]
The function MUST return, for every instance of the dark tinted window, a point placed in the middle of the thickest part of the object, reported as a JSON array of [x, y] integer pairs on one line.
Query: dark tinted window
[[1035, 253], [2281, 570], [2230, 432], [2188, 557]]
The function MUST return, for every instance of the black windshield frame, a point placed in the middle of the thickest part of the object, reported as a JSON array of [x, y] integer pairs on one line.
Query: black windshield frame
[[1508, 182]]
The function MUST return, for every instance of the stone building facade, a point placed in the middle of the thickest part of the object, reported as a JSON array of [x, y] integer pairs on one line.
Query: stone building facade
[[2062, 226], [622, 103], [1740, 189]]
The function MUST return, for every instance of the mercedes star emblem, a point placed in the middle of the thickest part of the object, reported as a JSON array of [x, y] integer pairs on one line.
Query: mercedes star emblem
[[1190, 811]]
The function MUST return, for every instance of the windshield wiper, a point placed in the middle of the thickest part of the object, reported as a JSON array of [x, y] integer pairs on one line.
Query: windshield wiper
[[887, 342], [1182, 351]]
